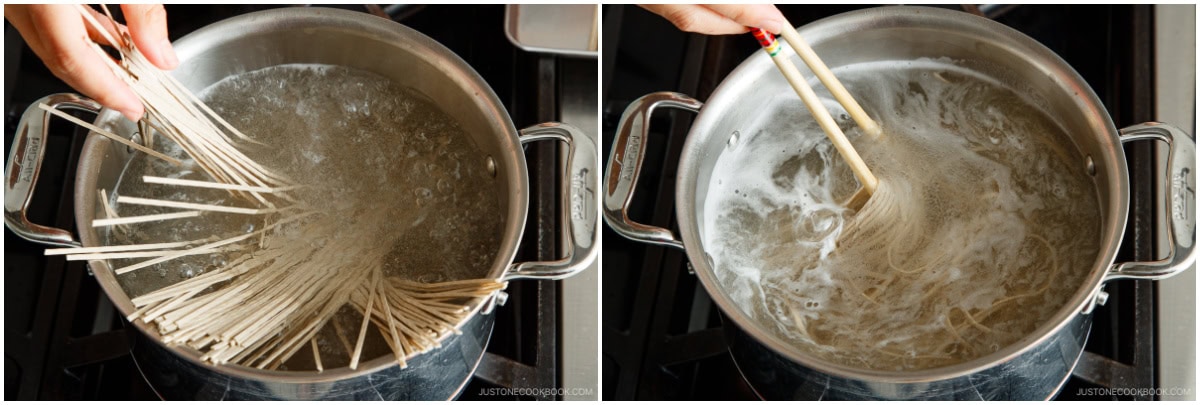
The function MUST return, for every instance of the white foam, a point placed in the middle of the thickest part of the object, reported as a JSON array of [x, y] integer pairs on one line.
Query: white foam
[[972, 177]]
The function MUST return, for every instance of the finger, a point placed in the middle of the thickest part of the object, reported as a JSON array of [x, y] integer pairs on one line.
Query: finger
[[109, 25], [763, 16], [148, 27], [18, 16], [66, 50], [693, 18]]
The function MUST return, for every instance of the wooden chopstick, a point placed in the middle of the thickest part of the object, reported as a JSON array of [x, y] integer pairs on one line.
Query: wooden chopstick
[[824, 119], [830, 81]]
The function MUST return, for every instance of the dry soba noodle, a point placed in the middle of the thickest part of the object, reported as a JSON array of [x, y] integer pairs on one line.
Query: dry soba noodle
[[333, 236], [984, 223]]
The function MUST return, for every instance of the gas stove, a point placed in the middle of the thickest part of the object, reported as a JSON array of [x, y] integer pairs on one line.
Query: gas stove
[[63, 338], [663, 337]]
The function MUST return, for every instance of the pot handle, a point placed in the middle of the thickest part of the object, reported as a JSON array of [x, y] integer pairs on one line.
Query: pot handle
[[625, 164], [1180, 207], [577, 212], [25, 162]]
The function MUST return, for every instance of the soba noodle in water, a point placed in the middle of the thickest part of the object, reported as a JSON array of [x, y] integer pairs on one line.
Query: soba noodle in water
[[984, 225]]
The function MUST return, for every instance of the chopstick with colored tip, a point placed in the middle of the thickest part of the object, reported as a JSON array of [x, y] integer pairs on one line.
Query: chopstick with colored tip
[[824, 119], [830, 81]]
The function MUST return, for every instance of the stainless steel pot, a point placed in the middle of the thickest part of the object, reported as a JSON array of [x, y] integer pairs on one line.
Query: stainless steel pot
[[335, 37], [1032, 368]]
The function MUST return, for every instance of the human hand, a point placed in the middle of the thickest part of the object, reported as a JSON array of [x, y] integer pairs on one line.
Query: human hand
[[59, 36], [720, 18]]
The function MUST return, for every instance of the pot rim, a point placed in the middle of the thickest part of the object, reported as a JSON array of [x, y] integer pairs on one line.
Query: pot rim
[[343, 21], [1113, 219]]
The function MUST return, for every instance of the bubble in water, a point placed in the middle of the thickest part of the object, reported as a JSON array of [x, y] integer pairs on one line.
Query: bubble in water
[[447, 221], [981, 168]]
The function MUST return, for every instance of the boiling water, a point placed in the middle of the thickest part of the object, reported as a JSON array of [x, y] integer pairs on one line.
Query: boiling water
[[357, 140], [987, 222]]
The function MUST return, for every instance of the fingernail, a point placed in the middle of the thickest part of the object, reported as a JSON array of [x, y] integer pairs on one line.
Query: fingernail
[[168, 53], [132, 114], [775, 26]]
